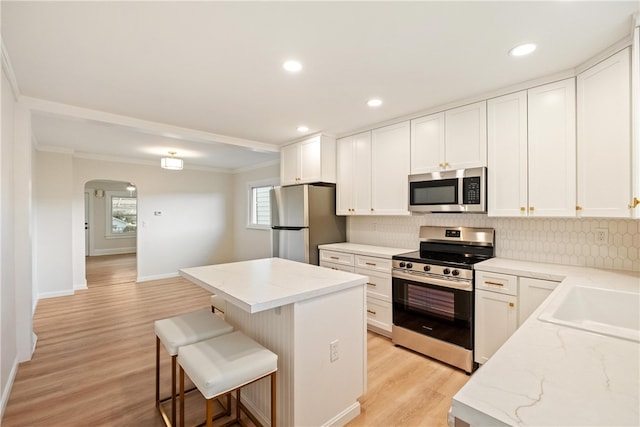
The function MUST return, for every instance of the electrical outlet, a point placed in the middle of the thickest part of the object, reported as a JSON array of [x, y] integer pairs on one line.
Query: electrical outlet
[[333, 350], [602, 236]]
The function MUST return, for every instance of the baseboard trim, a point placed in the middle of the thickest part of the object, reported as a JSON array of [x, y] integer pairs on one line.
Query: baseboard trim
[[157, 277], [116, 251], [55, 294], [6, 391], [80, 287], [345, 416]]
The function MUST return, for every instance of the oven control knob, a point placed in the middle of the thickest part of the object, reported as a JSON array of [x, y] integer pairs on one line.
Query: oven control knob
[[446, 271], [402, 264], [409, 265], [427, 268], [455, 273]]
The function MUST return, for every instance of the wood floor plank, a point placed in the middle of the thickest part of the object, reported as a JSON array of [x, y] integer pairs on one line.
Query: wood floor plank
[[94, 363]]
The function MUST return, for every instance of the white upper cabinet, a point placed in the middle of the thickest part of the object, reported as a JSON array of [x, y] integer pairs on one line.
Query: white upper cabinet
[[353, 190], [390, 149], [308, 161], [466, 136], [604, 138], [552, 149], [427, 143], [507, 155], [453, 139]]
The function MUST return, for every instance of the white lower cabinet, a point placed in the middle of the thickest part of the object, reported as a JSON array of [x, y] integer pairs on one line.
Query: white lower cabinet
[[378, 269], [502, 303]]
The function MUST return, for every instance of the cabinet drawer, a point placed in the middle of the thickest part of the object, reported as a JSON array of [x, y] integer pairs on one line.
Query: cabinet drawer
[[379, 314], [497, 282], [379, 284], [382, 265], [335, 266], [336, 257]]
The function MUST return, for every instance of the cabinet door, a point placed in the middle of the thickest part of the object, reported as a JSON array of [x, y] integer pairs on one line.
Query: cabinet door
[[310, 160], [496, 319], [507, 155], [390, 170], [427, 144], [532, 293], [466, 136], [552, 149], [289, 165], [604, 138], [345, 176], [362, 174]]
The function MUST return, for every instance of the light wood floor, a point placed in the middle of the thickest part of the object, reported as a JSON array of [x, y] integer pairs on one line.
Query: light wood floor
[[95, 357]]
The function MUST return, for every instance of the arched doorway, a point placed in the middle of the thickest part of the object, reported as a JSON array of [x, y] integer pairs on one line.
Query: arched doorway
[[110, 231]]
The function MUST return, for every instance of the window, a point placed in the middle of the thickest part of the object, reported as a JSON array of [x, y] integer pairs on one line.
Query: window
[[259, 205], [122, 214]]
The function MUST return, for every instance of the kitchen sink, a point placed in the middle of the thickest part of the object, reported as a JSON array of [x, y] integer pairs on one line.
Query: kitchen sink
[[602, 311]]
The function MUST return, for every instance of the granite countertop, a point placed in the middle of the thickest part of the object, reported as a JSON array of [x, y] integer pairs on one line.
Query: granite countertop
[[367, 250], [547, 374], [264, 284]]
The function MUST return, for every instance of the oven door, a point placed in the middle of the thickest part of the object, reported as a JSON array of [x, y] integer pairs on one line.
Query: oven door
[[437, 311]]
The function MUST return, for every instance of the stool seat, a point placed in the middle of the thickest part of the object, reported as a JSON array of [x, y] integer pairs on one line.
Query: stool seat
[[189, 328], [218, 303], [225, 363]]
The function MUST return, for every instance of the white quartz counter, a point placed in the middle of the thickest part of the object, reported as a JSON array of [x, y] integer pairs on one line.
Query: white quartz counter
[[367, 250], [262, 284], [552, 375]]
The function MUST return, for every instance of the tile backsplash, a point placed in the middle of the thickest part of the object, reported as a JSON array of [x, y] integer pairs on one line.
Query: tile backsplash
[[569, 241]]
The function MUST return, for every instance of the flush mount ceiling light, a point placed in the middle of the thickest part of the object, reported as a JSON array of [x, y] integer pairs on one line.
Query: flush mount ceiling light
[[292, 66], [303, 128], [171, 163], [375, 102], [523, 49]]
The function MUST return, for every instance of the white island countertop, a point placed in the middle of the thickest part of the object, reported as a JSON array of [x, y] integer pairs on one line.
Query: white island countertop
[[263, 284], [552, 375]]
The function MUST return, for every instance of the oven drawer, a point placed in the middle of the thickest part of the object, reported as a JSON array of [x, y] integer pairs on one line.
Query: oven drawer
[[379, 284], [379, 314], [336, 257], [497, 282], [382, 265], [335, 266]]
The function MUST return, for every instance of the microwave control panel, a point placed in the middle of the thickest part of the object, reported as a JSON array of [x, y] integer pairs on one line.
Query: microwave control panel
[[471, 190]]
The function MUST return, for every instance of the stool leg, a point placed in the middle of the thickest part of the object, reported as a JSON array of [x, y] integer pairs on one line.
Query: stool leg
[[209, 412], [173, 389], [238, 404], [273, 399], [157, 372], [181, 398]]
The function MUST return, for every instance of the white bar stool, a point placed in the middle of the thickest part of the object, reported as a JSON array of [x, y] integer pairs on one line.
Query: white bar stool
[[224, 364], [218, 304], [178, 331]]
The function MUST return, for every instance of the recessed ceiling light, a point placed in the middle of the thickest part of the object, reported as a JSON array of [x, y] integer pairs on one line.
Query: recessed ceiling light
[[374, 102], [523, 49], [303, 129], [292, 66]]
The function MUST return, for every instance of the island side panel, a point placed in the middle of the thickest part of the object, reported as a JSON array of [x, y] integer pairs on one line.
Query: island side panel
[[273, 329], [326, 392]]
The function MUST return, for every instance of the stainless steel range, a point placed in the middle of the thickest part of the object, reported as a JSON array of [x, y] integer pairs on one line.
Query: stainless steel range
[[433, 293]]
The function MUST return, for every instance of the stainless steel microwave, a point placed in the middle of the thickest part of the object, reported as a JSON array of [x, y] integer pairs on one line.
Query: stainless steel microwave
[[462, 190]]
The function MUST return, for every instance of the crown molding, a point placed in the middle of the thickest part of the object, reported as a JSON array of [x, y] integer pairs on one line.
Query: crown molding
[[142, 162], [257, 166], [8, 69], [52, 149]]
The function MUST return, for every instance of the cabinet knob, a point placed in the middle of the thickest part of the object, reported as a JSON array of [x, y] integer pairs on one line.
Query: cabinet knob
[[522, 209], [634, 203], [578, 208], [511, 304], [531, 208], [446, 164], [441, 165], [371, 209]]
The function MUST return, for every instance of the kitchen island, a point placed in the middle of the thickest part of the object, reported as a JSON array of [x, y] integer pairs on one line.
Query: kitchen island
[[314, 319]]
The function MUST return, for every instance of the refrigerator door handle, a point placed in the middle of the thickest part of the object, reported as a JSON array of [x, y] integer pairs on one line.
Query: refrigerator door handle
[[281, 227]]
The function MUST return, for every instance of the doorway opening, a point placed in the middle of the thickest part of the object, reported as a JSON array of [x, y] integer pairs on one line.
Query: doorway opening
[[111, 222]]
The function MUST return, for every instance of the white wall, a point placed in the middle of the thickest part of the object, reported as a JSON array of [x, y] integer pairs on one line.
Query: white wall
[[551, 240], [8, 342], [251, 243], [196, 226]]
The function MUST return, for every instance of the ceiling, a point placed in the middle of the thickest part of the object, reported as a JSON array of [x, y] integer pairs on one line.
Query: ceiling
[[205, 78]]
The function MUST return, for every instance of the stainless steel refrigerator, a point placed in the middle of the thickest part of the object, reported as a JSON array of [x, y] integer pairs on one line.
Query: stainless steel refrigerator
[[303, 217]]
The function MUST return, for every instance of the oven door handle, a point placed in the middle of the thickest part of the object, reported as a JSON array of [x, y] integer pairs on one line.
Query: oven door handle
[[463, 286]]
